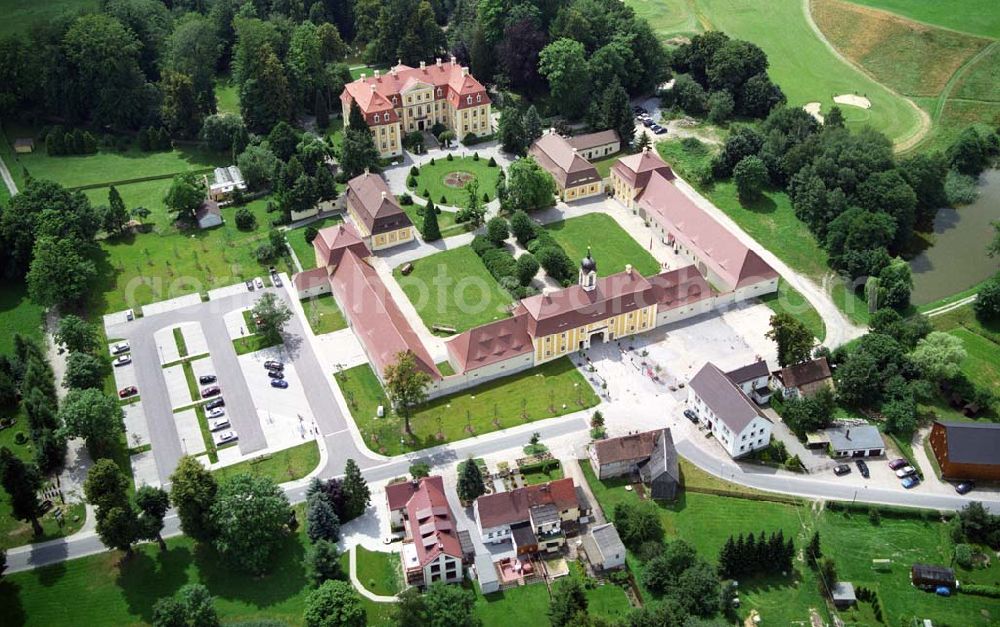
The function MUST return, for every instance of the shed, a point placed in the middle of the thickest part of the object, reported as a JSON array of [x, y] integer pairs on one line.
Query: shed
[[855, 441], [208, 214], [843, 595], [486, 573], [604, 547], [931, 576], [24, 145]]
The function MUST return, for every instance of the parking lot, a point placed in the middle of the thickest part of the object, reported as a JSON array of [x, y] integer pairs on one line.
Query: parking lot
[[189, 431], [285, 414]]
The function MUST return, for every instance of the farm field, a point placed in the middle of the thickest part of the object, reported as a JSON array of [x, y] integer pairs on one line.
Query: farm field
[[454, 288], [440, 179], [613, 248], [552, 389], [979, 17]]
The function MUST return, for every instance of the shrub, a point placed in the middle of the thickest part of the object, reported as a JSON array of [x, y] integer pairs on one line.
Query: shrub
[[264, 253], [406, 199], [481, 245], [311, 233], [411, 181], [987, 303], [486, 197], [960, 189], [527, 268], [874, 516], [522, 227], [450, 157], [414, 170], [245, 219], [432, 160], [427, 193], [492, 163], [497, 231], [443, 200], [501, 264], [475, 156], [981, 590], [964, 554]]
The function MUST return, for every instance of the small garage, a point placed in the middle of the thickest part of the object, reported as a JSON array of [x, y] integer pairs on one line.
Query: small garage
[[855, 441]]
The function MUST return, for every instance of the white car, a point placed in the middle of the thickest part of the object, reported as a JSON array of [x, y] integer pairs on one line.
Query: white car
[[122, 360], [905, 471], [218, 412], [120, 348], [129, 315], [259, 283], [225, 437], [218, 423]]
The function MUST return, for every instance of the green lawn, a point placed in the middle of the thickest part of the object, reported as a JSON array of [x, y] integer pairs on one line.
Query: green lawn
[[670, 17], [432, 178], [323, 314], [979, 17], [367, 70], [379, 572], [453, 288], [981, 342], [445, 368], [534, 477], [285, 465], [17, 315], [518, 606], [612, 246], [138, 269], [303, 250], [252, 344], [20, 15], [148, 194], [552, 389], [604, 165], [227, 96], [788, 300], [446, 220]]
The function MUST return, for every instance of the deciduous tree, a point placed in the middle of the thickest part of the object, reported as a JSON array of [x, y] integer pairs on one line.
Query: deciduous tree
[[334, 604], [406, 385], [193, 491], [568, 602], [153, 503], [564, 64], [76, 334], [794, 340], [185, 195], [59, 275], [250, 514], [93, 415], [83, 371]]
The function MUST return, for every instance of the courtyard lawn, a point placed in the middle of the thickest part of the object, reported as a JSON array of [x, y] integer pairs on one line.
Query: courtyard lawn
[[17, 315], [788, 300], [304, 251], [448, 179], [446, 220], [534, 477], [604, 165], [453, 288], [138, 269], [323, 314], [252, 344], [380, 572], [612, 246], [524, 605], [20, 15], [282, 466], [552, 389]]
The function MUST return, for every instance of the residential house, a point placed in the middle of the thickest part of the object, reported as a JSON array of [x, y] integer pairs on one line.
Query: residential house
[[432, 550], [534, 517], [855, 441], [754, 379], [407, 99], [208, 214], [575, 177], [630, 175], [735, 420], [803, 379], [650, 454], [595, 146], [967, 450], [397, 495], [604, 547], [377, 215]]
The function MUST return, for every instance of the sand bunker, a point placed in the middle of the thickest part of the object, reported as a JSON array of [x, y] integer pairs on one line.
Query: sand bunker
[[854, 101], [812, 108]]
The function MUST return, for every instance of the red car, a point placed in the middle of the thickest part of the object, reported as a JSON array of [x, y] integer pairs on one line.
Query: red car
[[896, 464], [127, 392], [210, 391]]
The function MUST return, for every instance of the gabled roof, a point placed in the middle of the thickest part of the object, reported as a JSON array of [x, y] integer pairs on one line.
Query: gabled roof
[[375, 204], [487, 344], [573, 306], [749, 372], [680, 287], [207, 208], [374, 93], [805, 373], [607, 541], [397, 495], [508, 508], [375, 317], [311, 279], [431, 523], [638, 168], [972, 442], [662, 460], [332, 241], [555, 154], [632, 447], [726, 400], [713, 243], [593, 140]]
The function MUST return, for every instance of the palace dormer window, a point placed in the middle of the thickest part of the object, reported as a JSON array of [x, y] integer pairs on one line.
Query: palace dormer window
[[439, 91], [468, 99], [479, 97], [376, 118]]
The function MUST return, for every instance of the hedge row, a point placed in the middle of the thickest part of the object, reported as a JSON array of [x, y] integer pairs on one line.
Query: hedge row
[[549, 253], [981, 590], [141, 179], [890, 511]]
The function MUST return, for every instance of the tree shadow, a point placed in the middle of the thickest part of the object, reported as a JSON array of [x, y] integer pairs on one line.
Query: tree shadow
[[50, 575], [10, 600], [761, 204], [285, 577], [150, 575]]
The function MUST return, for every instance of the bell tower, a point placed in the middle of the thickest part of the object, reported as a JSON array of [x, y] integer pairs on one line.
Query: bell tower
[[588, 273]]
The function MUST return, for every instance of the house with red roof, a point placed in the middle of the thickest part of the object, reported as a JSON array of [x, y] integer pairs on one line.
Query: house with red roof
[[575, 177], [377, 215], [432, 550], [630, 175], [534, 518], [408, 99]]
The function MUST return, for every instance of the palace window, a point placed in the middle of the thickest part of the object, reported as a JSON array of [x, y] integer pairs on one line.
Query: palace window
[[479, 97], [376, 118], [468, 99], [439, 91]]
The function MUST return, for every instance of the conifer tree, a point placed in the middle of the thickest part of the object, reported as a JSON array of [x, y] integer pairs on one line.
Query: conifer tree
[[432, 230]]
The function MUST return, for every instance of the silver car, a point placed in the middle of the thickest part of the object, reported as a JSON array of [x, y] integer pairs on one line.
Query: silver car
[[217, 424], [225, 437]]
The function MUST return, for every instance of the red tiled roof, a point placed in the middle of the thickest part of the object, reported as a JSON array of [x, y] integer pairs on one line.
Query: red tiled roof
[[636, 446], [431, 523], [487, 344], [310, 278], [716, 246], [573, 306], [636, 169], [374, 94], [506, 508], [398, 494], [676, 288], [332, 241], [560, 159], [375, 204], [375, 316]]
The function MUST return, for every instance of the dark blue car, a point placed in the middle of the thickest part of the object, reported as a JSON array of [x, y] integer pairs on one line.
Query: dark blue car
[[279, 383]]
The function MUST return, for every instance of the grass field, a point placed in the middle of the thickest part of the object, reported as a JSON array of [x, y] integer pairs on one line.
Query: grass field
[[323, 314], [446, 220], [453, 288], [282, 466], [535, 477], [17, 315], [981, 342], [787, 299], [979, 17], [148, 194], [612, 246], [227, 96], [20, 15], [552, 389], [982, 80], [432, 179], [303, 250], [379, 572]]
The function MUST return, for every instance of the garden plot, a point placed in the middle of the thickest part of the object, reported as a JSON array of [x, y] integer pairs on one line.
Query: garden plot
[[189, 431]]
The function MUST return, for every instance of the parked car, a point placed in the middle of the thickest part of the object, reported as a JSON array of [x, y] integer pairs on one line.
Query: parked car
[[276, 280], [207, 378], [128, 391], [121, 347], [659, 130], [965, 487], [215, 403], [276, 374], [250, 285], [216, 424], [279, 383], [863, 468], [906, 471], [647, 122], [690, 415], [842, 470], [218, 412], [639, 109], [909, 482], [259, 283], [122, 360], [212, 390], [274, 365], [226, 436], [896, 464], [129, 315]]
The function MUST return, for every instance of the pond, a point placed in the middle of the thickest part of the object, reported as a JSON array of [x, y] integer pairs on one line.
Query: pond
[[958, 259]]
